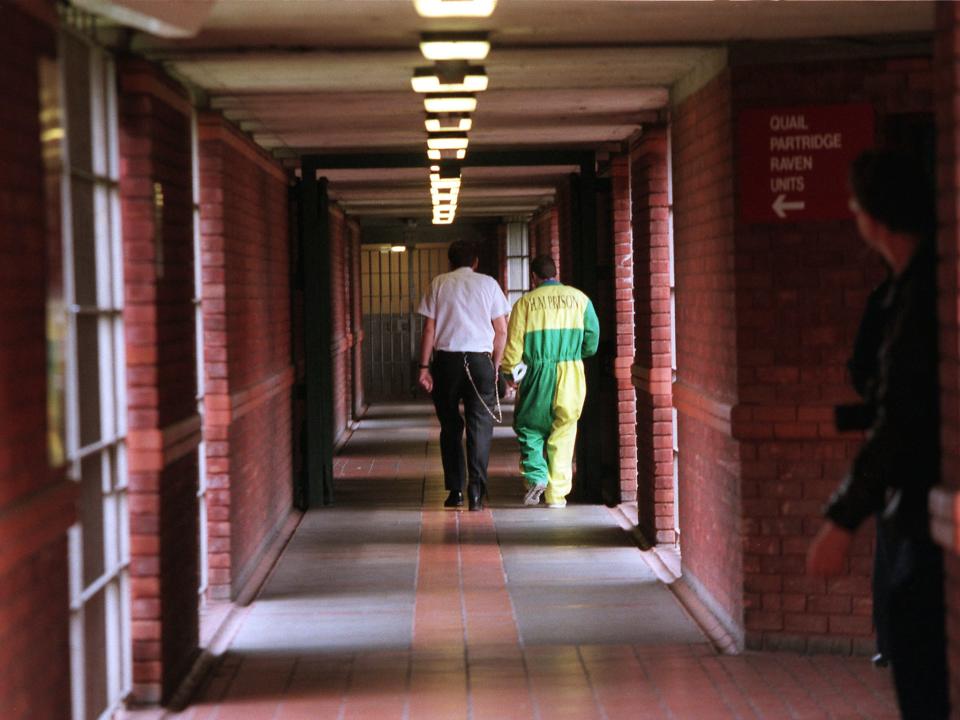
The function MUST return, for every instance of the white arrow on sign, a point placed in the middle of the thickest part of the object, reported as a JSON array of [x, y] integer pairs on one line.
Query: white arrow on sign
[[780, 205]]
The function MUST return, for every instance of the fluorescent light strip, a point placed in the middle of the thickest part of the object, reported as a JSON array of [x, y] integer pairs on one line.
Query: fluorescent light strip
[[454, 47], [455, 8], [441, 154], [437, 181], [447, 143], [474, 81], [450, 103], [460, 124]]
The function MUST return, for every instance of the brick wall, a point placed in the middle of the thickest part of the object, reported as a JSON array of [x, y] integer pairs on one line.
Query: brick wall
[[801, 288], [247, 331], [946, 523], [164, 426], [562, 249], [652, 367], [36, 501], [540, 232], [487, 238], [765, 321], [706, 386], [342, 339]]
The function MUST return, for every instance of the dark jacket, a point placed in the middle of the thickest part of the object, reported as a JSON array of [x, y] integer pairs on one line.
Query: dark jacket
[[900, 460]]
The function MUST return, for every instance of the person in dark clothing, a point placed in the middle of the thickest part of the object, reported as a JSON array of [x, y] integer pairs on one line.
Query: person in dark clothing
[[464, 331], [864, 369], [900, 460]]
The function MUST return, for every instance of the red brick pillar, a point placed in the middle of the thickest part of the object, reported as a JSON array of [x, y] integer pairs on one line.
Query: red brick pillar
[[164, 425], [502, 254], [561, 243], [945, 501], [247, 334], [705, 390], [623, 268], [356, 314], [36, 500], [544, 229], [552, 243], [652, 369], [340, 347]]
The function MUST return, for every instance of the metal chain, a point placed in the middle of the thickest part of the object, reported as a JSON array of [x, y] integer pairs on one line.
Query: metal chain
[[466, 366]]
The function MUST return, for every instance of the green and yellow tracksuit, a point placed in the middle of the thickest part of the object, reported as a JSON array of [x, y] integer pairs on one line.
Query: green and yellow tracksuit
[[551, 329]]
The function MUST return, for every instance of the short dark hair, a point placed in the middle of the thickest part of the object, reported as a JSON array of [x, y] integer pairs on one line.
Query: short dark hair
[[462, 254], [894, 189], [543, 267]]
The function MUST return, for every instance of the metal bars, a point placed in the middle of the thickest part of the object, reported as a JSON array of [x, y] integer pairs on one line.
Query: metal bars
[[392, 284]]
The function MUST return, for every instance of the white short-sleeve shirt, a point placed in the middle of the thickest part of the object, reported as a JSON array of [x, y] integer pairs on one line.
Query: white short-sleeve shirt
[[463, 305]]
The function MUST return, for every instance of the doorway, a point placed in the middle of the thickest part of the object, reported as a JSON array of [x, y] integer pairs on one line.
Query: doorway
[[392, 280]]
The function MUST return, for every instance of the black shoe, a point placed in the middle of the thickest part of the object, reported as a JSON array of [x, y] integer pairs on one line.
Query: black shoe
[[880, 660], [454, 499], [475, 497]]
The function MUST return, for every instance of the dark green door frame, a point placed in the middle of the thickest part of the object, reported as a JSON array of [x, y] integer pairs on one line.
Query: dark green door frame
[[588, 486], [318, 331]]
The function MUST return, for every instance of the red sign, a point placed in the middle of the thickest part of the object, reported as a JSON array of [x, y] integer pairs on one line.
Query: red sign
[[793, 162]]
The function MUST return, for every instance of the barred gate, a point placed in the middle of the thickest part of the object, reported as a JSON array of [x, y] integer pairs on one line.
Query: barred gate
[[392, 282]]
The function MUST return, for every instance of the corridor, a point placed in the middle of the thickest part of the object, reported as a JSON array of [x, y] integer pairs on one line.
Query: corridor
[[387, 606]]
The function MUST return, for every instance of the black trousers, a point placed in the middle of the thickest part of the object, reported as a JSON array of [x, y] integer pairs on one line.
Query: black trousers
[[916, 625], [451, 386]]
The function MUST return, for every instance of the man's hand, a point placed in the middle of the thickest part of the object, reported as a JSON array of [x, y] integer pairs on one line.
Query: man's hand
[[829, 550], [425, 380]]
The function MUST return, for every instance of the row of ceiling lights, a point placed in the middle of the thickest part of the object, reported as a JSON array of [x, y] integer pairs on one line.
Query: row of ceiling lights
[[449, 87]]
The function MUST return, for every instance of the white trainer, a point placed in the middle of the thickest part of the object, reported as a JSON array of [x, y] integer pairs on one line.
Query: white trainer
[[533, 494], [558, 504]]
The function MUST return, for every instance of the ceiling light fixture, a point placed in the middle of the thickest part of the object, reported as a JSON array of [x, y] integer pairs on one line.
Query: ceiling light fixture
[[447, 170], [448, 141], [436, 122], [438, 182], [454, 46], [439, 155], [450, 103], [445, 181], [470, 79], [455, 8]]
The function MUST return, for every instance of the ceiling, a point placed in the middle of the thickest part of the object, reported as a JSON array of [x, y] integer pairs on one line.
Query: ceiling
[[333, 76]]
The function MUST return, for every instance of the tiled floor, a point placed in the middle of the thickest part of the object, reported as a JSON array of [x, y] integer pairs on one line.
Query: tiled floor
[[387, 606]]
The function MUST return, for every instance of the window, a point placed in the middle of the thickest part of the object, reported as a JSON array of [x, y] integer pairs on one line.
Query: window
[[99, 553], [198, 324], [518, 261]]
